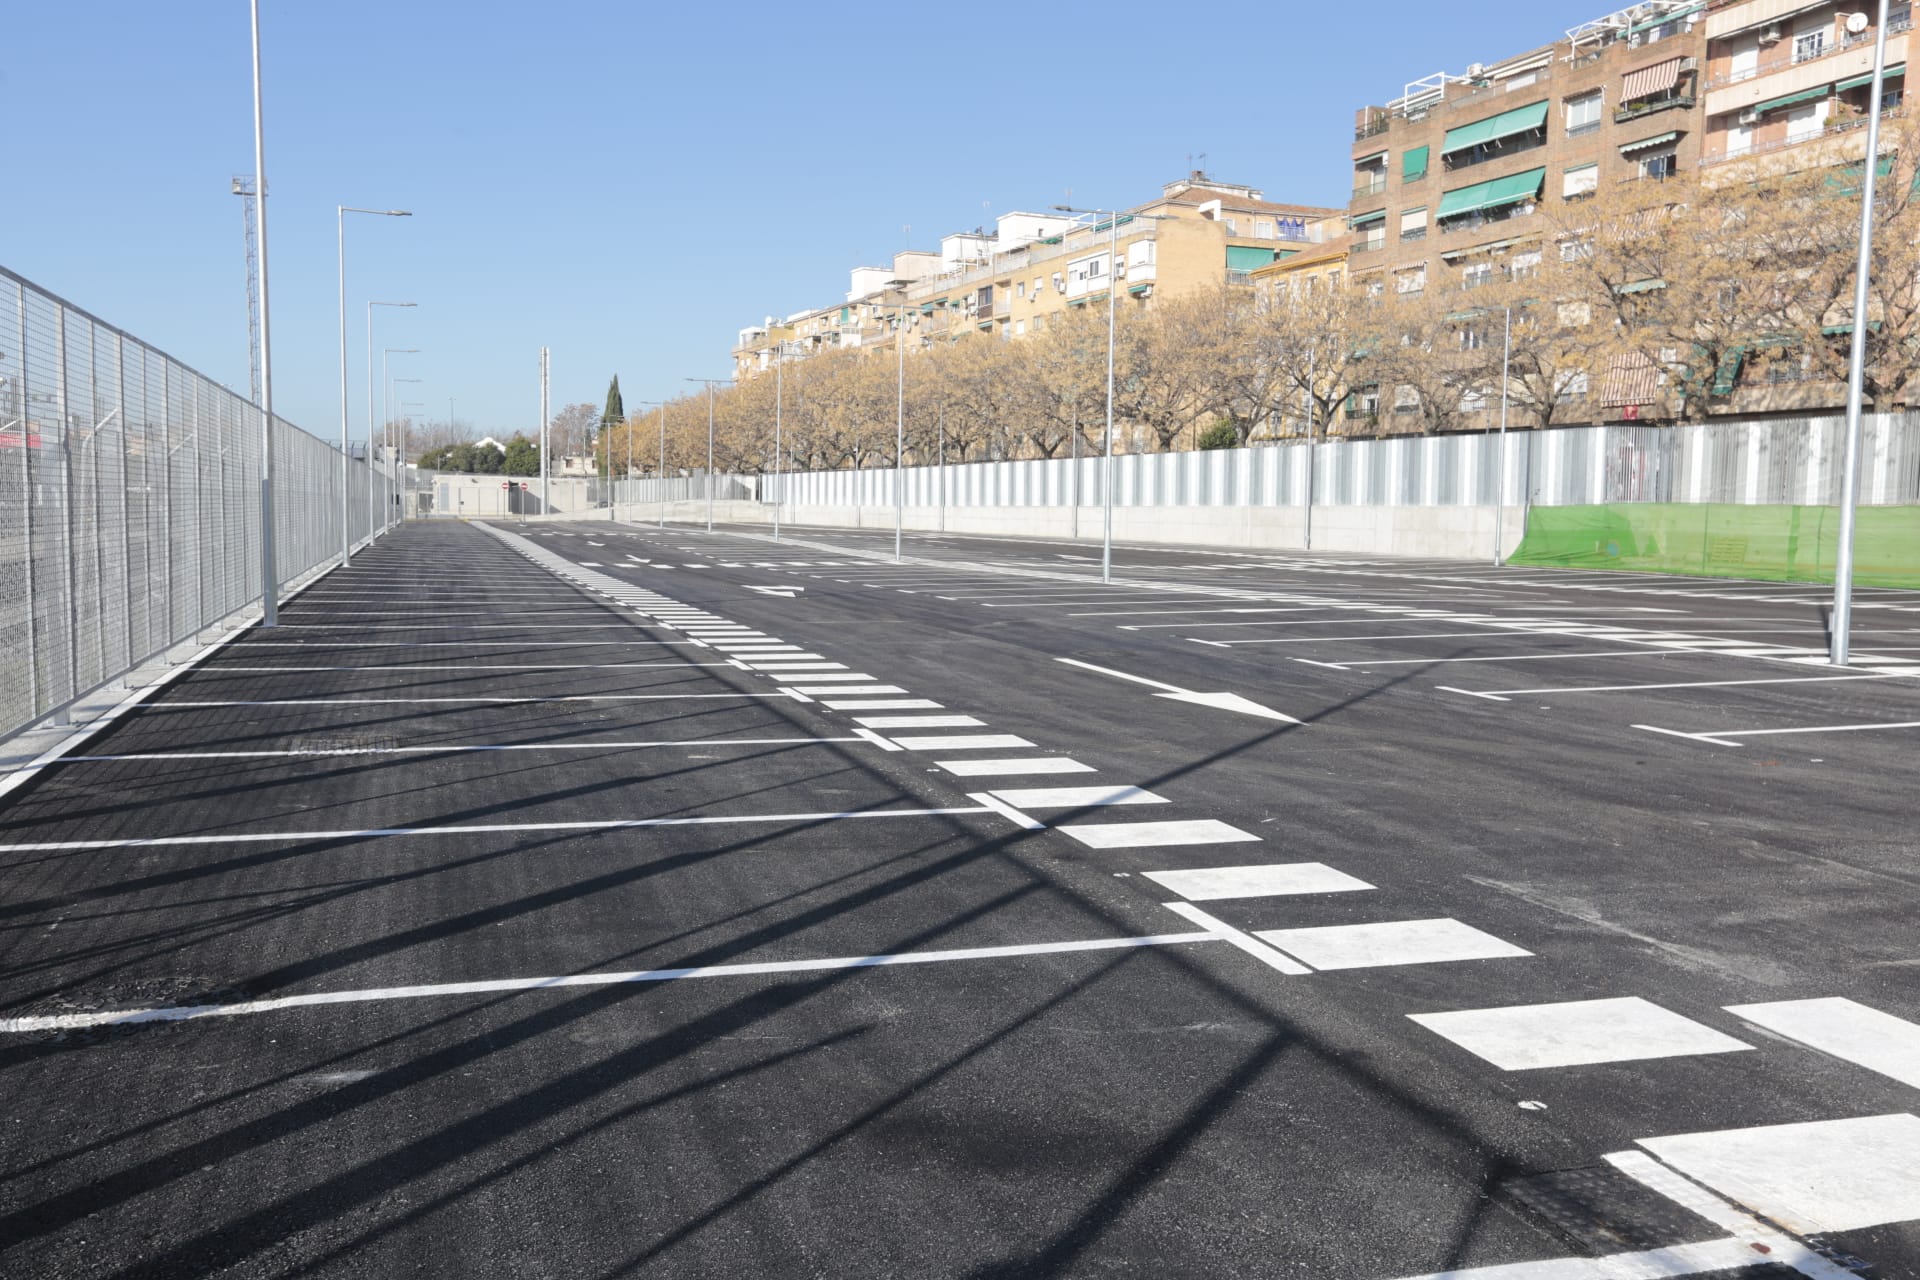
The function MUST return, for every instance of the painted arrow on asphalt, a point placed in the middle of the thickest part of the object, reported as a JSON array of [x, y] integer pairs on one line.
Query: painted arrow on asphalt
[[1222, 701]]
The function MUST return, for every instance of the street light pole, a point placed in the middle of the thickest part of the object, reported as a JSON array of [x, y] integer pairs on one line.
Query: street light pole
[[269, 575], [378, 493], [340, 234], [900, 434], [546, 503], [1856, 359], [710, 385], [779, 393], [1506, 363], [372, 497]]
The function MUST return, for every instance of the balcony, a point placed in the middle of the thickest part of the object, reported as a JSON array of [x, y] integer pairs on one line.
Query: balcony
[[1582, 130], [1409, 234], [1367, 246], [1371, 187], [1372, 128], [1766, 148], [1793, 53], [1635, 110]]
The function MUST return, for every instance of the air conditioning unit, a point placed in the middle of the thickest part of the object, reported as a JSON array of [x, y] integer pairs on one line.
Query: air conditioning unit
[[1771, 35], [1633, 40], [1749, 116]]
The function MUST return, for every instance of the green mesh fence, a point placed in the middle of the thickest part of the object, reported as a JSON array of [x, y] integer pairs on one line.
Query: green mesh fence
[[1773, 543]]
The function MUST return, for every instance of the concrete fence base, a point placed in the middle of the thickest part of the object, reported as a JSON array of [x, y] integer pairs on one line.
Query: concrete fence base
[[1452, 532]]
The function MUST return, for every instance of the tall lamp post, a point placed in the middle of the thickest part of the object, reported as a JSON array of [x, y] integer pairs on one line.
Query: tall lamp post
[[269, 573], [711, 384], [340, 234], [1113, 274], [372, 524], [1856, 358], [900, 417], [381, 497], [394, 443]]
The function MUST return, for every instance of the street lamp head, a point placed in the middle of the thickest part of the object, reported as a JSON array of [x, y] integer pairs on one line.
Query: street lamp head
[[399, 213]]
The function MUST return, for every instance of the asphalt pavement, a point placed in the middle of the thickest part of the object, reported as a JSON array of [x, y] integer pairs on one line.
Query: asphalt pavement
[[590, 899]]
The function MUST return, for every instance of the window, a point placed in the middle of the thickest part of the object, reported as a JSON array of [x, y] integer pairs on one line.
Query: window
[[1471, 338], [1809, 45], [1575, 314], [1413, 224], [1581, 181], [1233, 227], [1805, 122], [1583, 113], [1096, 268], [1524, 266], [1020, 289], [1263, 229], [1406, 400], [1575, 250], [1413, 164], [1039, 323], [1039, 283], [1572, 387], [1739, 139], [1019, 328], [1658, 164], [1473, 400], [1478, 274], [1410, 279], [1746, 61], [1376, 287]]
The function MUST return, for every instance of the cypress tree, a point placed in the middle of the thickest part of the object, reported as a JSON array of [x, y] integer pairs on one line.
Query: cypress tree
[[616, 411]]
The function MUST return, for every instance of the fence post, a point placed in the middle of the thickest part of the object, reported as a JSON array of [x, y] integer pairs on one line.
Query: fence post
[[29, 500], [126, 536], [66, 488]]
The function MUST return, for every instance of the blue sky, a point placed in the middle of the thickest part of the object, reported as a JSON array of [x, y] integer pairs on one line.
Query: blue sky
[[631, 183]]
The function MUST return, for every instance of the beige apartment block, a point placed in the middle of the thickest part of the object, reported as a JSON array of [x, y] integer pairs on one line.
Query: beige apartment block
[[1449, 177], [1199, 233], [1787, 83]]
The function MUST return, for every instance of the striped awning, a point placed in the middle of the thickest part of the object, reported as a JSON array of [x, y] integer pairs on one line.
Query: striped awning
[[1631, 379], [1859, 82], [1658, 78], [1657, 140]]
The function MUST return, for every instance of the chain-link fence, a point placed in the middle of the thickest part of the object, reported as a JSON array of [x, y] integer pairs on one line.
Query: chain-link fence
[[130, 502]]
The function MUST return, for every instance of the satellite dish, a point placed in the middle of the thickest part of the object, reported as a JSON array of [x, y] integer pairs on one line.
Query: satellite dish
[[1857, 23]]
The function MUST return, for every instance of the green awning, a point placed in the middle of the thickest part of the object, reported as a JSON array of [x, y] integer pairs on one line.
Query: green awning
[[1657, 140], [1413, 163], [1728, 371], [1139, 288], [1242, 258], [1366, 219], [1897, 69], [1805, 95], [1494, 128], [1664, 19], [1835, 330], [1369, 158], [1641, 286], [1491, 195]]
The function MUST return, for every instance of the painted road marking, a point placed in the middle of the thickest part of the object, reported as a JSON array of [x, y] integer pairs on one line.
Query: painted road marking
[[446, 749], [1721, 737], [1811, 1178], [882, 704], [1389, 942], [1760, 1238], [1076, 797], [1143, 835], [274, 1004], [1023, 764], [1246, 942], [1500, 694], [1266, 880], [919, 722], [471, 829], [1652, 1264], [1577, 1033], [1862, 1035], [962, 742], [848, 688]]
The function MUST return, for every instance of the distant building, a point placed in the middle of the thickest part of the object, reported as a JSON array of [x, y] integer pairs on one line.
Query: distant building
[[1011, 283]]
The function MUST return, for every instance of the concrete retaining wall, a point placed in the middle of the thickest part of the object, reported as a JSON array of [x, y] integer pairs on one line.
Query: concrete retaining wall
[[1464, 533]]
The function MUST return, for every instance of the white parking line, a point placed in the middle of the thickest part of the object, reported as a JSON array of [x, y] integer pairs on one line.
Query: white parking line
[[472, 829], [1723, 737], [449, 749], [275, 1004]]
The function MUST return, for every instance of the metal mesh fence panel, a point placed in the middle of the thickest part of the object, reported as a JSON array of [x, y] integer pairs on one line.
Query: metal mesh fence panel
[[130, 503]]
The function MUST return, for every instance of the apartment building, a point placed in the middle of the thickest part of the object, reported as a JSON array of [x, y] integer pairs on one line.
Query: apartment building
[[1032, 268], [1787, 82], [1448, 177]]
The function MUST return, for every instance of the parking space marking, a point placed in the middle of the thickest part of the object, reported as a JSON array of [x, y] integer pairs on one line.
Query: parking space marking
[[1244, 941], [1263, 880], [447, 749], [919, 722], [1576, 1033], [473, 829], [1389, 942], [1725, 737], [1076, 797], [276, 1004], [1845, 1029], [963, 742], [1023, 764], [1145, 835]]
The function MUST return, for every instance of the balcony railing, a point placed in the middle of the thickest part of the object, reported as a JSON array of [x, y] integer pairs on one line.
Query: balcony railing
[[1789, 54], [1372, 128], [1371, 187], [1367, 246], [1582, 130], [1763, 148], [1409, 234], [1648, 106]]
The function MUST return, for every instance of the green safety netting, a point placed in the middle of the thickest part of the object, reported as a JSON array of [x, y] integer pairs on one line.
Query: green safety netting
[[1774, 543]]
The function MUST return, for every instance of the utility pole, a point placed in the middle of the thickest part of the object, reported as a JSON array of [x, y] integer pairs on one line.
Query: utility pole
[[269, 571], [546, 505]]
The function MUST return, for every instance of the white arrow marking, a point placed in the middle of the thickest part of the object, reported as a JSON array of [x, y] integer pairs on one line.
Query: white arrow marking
[[783, 592], [1222, 701]]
